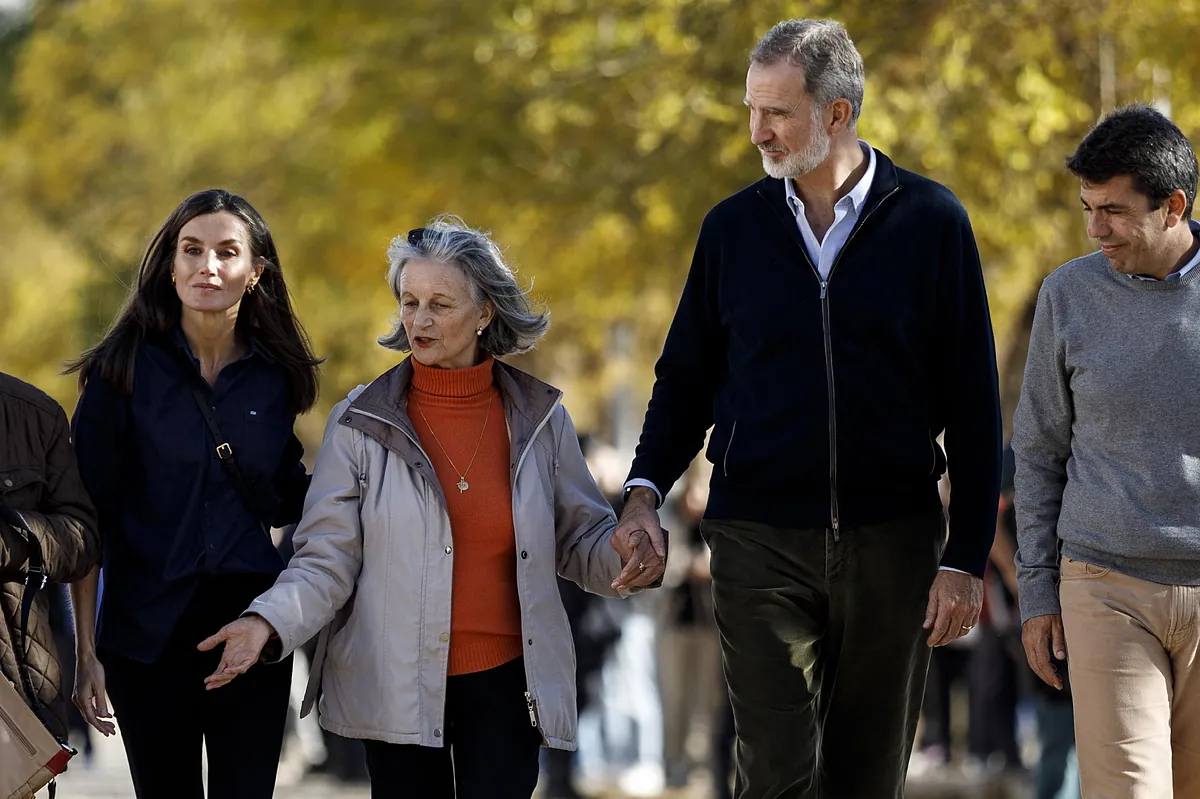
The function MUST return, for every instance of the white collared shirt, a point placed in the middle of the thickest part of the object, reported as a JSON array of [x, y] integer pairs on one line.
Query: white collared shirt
[[845, 215]]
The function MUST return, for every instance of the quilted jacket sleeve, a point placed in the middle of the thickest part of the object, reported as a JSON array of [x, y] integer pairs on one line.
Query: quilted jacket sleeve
[[63, 521]]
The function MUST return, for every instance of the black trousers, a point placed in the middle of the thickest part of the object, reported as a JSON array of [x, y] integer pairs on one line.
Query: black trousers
[[824, 652], [491, 749], [165, 714]]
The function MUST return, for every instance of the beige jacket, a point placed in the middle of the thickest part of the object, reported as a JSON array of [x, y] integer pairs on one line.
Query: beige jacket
[[375, 549]]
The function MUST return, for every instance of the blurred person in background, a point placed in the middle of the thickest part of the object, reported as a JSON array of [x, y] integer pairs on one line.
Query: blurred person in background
[[634, 724], [996, 662], [958, 673], [621, 737], [945, 685], [448, 496], [1108, 466], [834, 322], [206, 338], [46, 513], [594, 632], [1056, 775], [689, 654]]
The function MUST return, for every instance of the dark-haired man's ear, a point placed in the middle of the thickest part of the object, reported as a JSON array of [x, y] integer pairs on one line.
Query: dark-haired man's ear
[[1176, 205]]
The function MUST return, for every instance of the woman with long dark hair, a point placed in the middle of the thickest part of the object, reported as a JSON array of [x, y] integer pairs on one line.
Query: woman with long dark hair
[[185, 441]]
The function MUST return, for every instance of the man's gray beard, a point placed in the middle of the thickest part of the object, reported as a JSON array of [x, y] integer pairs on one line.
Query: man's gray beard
[[798, 164]]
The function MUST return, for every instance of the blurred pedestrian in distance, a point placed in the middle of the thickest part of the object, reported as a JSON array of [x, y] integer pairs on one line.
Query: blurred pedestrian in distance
[[46, 515], [1108, 471], [1055, 773], [689, 655], [184, 434], [448, 496], [996, 662], [833, 324]]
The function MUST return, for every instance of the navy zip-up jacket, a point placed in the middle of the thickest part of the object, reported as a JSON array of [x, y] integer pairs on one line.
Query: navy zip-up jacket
[[826, 397]]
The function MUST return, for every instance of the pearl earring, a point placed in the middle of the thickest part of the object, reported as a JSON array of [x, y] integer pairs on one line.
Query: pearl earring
[[479, 332]]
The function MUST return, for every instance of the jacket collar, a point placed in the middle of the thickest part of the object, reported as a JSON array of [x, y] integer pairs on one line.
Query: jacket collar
[[886, 181], [527, 401], [856, 197]]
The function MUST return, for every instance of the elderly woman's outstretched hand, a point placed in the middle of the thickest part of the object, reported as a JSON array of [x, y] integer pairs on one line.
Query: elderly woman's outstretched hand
[[643, 565], [244, 640]]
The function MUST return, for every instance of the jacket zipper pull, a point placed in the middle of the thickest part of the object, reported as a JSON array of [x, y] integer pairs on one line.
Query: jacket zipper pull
[[824, 288], [529, 703], [837, 534]]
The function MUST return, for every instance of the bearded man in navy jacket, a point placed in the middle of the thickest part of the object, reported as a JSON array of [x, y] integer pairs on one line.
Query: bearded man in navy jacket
[[833, 325]]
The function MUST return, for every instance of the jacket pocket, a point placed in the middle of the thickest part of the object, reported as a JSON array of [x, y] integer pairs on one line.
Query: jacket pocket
[[22, 487]]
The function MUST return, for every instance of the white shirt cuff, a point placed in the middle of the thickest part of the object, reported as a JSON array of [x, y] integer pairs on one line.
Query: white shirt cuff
[[951, 569], [638, 481]]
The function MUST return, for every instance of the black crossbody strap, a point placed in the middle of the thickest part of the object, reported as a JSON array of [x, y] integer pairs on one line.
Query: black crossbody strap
[[35, 581], [225, 455]]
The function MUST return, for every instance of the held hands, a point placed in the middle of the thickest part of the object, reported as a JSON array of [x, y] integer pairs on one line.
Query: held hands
[[244, 640], [1040, 636], [955, 602], [89, 694], [639, 541]]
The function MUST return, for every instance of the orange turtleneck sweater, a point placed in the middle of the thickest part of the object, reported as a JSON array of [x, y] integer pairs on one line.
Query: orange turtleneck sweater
[[452, 407]]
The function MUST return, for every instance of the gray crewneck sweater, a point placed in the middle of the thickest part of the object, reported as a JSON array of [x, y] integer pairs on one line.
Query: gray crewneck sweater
[[1106, 438]]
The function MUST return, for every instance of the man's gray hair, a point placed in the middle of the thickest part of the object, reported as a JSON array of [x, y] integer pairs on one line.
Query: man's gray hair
[[833, 69], [516, 326]]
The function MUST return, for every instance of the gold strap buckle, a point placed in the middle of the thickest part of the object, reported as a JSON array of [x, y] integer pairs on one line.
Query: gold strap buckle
[[224, 451]]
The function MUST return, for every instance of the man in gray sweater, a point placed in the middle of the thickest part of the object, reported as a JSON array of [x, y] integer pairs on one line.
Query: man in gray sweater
[[1108, 466]]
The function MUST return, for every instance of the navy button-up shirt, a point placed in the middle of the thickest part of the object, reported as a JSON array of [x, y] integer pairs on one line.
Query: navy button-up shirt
[[169, 514]]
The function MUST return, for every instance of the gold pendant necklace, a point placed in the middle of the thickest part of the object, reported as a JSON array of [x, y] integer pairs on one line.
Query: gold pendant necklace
[[462, 483]]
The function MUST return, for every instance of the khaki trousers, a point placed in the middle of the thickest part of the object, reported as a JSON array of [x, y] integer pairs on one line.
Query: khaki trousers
[[1135, 678]]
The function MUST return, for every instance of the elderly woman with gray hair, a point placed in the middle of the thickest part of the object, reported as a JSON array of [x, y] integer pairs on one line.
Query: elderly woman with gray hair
[[447, 495]]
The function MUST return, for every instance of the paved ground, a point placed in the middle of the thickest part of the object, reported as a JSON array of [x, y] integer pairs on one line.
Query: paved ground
[[106, 777]]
